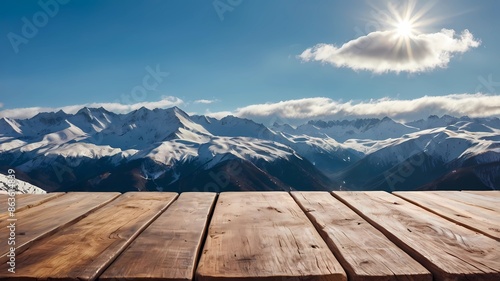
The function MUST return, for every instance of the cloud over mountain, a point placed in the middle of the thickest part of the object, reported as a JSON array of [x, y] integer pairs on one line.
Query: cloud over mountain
[[388, 51], [300, 110], [28, 112]]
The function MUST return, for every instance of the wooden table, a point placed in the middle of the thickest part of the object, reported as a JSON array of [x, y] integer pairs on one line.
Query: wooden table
[[339, 236]]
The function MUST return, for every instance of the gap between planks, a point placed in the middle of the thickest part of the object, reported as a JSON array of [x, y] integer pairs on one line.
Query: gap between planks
[[451, 252], [264, 236], [471, 215], [169, 248], [48, 217], [83, 250], [364, 252]]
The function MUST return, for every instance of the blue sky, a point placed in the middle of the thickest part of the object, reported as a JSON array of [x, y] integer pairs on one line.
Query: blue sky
[[97, 52]]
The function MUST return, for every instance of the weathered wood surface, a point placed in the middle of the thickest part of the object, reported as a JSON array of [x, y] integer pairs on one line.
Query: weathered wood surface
[[25, 201], [364, 252], [83, 250], [486, 202], [43, 220], [264, 236], [253, 236], [169, 248], [487, 193], [471, 215], [449, 251]]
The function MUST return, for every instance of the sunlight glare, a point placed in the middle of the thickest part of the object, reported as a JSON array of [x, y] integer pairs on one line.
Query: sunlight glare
[[406, 21], [404, 28]]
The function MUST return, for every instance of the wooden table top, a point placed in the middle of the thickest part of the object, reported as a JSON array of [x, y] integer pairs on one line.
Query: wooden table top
[[376, 236]]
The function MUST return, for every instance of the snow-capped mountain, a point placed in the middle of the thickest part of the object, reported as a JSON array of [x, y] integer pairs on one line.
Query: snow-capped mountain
[[341, 131], [166, 149], [435, 122], [19, 187], [419, 158], [149, 149]]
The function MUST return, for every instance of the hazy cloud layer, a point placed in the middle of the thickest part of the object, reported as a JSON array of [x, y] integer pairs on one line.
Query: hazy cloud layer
[[386, 51], [303, 110], [21, 113], [205, 101]]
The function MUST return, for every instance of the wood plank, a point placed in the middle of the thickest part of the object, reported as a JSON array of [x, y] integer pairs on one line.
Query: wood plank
[[83, 250], [451, 252], [488, 203], [364, 252], [169, 248], [487, 193], [25, 201], [43, 220], [264, 236], [472, 216]]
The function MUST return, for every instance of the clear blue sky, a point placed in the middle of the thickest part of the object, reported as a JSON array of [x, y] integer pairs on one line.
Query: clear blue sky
[[95, 51]]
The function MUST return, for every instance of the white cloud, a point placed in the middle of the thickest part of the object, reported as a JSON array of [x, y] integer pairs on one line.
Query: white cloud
[[387, 51], [1, 105], [21, 113], [303, 110], [219, 114], [205, 101]]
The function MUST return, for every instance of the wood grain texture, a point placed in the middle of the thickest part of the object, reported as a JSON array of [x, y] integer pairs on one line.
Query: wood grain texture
[[169, 248], [364, 252], [25, 201], [37, 222], [487, 193], [471, 215], [451, 252], [83, 250], [488, 203], [264, 236]]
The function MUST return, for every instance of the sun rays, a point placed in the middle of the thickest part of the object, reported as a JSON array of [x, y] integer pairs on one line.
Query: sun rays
[[406, 22], [404, 29]]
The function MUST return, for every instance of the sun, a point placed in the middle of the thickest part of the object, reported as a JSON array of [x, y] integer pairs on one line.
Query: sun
[[404, 28], [406, 20]]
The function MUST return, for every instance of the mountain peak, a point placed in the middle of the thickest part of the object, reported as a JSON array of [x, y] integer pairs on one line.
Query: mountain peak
[[179, 111], [84, 110], [386, 119], [51, 117], [142, 109], [9, 126]]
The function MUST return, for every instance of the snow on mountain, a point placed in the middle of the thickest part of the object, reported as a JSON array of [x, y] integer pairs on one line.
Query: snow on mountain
[[446, 144], [341, 131], [157, 144], [324, 152], [20, 186], [170, 152], [167, 145], [143, 127], [231, 126], [434, 121], [43, 123], [9, 128], [10, 143], [420, 158], [92, 120], [243, 148]]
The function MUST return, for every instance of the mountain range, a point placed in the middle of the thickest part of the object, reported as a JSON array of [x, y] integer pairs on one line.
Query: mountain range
[[167, 149]]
